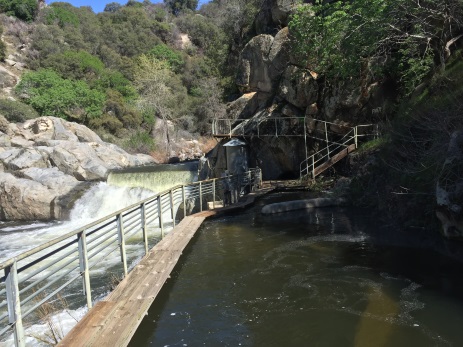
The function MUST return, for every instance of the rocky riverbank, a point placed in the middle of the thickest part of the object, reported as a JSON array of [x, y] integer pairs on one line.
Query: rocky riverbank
[[46, 163]]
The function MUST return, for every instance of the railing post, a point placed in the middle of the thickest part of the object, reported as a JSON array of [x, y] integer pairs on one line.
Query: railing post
[[161, 223], [200, 197], [14, 304], [172, 207], [143, 226], [313, 167], [327, 143], [213, 193], [355, 137], [249, 180], [184, 201], [121, 235], [84, 269]]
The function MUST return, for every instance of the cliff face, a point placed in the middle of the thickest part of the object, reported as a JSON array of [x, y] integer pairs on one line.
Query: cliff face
[[275, 85]]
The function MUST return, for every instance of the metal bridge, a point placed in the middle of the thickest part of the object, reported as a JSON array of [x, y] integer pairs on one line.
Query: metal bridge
[[339, 140], [38, 276]]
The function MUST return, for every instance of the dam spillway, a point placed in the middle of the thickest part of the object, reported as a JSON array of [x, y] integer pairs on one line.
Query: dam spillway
[[156, 178]]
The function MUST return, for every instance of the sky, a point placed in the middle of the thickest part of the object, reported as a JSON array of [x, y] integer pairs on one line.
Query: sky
[[99, 5]]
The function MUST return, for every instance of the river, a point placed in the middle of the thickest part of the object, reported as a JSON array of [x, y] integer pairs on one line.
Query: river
[[329, 277]]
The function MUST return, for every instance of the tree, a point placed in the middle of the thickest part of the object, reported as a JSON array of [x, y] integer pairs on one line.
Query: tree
[[342, 39], [52, 95], [177, 6], [112, 7], [163, 52], [22, 9]]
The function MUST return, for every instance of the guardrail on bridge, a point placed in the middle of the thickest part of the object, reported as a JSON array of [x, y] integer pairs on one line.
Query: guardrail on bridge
[[39, 275]]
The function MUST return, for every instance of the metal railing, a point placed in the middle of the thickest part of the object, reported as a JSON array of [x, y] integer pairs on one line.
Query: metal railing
[[334, 147], [39, 275]]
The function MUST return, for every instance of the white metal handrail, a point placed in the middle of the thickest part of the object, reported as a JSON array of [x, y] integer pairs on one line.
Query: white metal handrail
[[40, 274]]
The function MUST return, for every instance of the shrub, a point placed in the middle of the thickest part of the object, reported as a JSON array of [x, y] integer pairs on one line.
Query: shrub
[[22, 9], [2, 46], [141, 142], [16, 111], [163, 52], [51, 95]]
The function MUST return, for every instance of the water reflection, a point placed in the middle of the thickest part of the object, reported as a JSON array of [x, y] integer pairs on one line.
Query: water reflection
[[330, 277]]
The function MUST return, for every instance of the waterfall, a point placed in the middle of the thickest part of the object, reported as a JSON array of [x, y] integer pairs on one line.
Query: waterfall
[[156, 178], [124, 188]]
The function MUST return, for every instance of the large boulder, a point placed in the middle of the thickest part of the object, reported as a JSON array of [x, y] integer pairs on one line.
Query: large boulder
[[262, 62], [282, 9], [449, 189], [274, 14], [23, 199], [253, 71], [298, 87], [46, 162]]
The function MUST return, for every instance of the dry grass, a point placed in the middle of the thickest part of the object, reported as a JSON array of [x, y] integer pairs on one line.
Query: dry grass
[[54, 331]]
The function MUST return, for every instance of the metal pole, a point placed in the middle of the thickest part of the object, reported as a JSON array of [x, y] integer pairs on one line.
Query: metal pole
[[172, 206], [184, 201], [313, 166], [305, 143], [327, 145], [355, 137], [120, 230], [200, 197], [143, 226], [249, 181], [213, 193], [84, 270], [161, 224], [14, 304]]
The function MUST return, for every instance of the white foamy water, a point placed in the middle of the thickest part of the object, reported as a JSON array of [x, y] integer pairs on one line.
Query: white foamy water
[[99, 201]]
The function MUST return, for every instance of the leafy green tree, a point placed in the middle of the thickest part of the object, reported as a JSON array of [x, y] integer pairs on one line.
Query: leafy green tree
[[52, 95], [177, 6], [112, 7], [163, 52], [75, 65], [22, 9], [62, 14], [344, 38]]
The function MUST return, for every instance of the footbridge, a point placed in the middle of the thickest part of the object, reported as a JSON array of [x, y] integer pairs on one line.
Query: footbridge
[[141, 244], [335, 140]]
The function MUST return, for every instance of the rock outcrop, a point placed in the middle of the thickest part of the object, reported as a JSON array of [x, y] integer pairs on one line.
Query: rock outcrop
[[449, 189], [281, 87], [47, 161]]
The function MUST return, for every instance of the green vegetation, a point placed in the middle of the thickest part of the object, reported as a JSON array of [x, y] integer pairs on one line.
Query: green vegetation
[[23, 9], [51, 95], [400, 38], [2, 46], [177, 6], [16, 111]]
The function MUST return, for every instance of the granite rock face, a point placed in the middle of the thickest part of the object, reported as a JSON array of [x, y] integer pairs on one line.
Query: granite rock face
[[44, 162], [449, 189]]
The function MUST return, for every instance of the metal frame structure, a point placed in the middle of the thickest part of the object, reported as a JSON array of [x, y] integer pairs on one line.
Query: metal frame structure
[[336, 136], [39, 275]]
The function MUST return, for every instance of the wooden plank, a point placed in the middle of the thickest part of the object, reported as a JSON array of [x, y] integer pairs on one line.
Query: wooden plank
[[113, 321], [334, 159], [92, 323]]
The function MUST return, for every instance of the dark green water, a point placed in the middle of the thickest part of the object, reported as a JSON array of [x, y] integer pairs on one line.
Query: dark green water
[[333, 277]]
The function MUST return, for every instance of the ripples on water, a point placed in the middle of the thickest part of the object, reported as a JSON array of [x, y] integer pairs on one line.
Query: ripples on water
[[331, 277]]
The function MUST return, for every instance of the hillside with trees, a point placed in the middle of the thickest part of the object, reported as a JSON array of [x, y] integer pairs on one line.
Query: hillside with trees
[[127, 72]]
